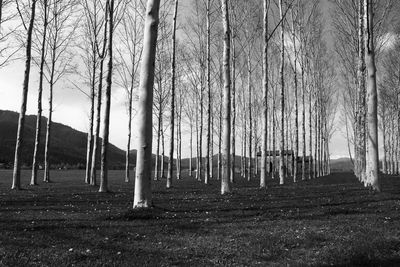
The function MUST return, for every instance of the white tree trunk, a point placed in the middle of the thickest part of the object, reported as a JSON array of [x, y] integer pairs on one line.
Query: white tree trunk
[[106, 131], [296, 146], [208, 170], [157, 163], [89, 148], [46, 177], [225, 179], [282, 68], [191, 150], [361, 95], [249, 70], [97, 130], [16, 183], [264, 150], [172, 123], [40, 91], [142, 195], [128, 145], [233, 126], [372, 151]]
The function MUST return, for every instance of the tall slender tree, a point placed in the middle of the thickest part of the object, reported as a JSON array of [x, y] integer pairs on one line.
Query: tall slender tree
[[16, 183], [129, 52], [101, 49], [372, 151], [208, 142], [40, 93], [172, 103], [264, 151], [61, 34], [225, 179], [142, 195], [282, 83], [106, 131]]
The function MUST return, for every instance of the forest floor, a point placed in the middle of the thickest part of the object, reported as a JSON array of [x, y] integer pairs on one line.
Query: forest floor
[[328, 221]]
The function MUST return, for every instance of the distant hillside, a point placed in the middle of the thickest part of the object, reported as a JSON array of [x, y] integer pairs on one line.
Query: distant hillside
[[67, 146], [185, 162], [341, 165]]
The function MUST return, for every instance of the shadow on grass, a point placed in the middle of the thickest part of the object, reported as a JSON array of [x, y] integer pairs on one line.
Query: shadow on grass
[[154, 213]]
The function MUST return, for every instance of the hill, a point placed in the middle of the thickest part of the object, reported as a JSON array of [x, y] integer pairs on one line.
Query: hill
[[67, 145], [341, 165]]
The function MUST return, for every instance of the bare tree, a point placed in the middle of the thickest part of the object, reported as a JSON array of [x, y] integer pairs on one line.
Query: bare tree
[[264, 150], [106, 120], [225, 179], [372, 151], [142, 196], [16, 183], [282, 140], [61, 30], [129, 54], [40, 92], [98, 24], [172, 116], [90, 32]]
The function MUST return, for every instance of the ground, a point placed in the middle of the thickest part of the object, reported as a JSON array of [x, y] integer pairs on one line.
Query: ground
[[328, 221]]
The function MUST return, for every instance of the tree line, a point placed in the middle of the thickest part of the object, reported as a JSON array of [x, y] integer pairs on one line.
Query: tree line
[[225, 75]]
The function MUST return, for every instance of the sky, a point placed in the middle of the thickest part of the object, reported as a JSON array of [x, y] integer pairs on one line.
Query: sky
[[71, 107]]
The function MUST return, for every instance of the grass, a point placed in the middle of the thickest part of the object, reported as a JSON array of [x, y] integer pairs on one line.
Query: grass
[[329, 221]]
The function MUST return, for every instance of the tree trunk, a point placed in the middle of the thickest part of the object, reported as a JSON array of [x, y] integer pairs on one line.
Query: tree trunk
[[220, 139], [197, 140], [142, 196], [303, 162], [128, 145], [157, 163], [46, 177], [296, 146], [372, 151], [89, 148], [200, 148], [40, 92], [273, 136], [48, 131], [191, 150], [245, 173], [361, 114], [95, 151], [208, 166], [312, 161], [225, 179], [162, 167], [316, 127], [106, 131], [172, 123], [264, 149], [212, 148], [250, 114], [384, 161], [179, 147], [233, 135], [16, 183], [282, 68]]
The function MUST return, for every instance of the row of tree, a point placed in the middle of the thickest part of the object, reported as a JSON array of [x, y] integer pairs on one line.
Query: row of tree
[[270, 79], [366, 31]]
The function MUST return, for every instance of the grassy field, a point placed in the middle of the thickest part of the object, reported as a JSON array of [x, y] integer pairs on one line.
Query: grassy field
[[328, 221]]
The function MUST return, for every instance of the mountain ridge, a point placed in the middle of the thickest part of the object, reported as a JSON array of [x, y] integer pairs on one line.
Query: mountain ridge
[[67, 145]]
